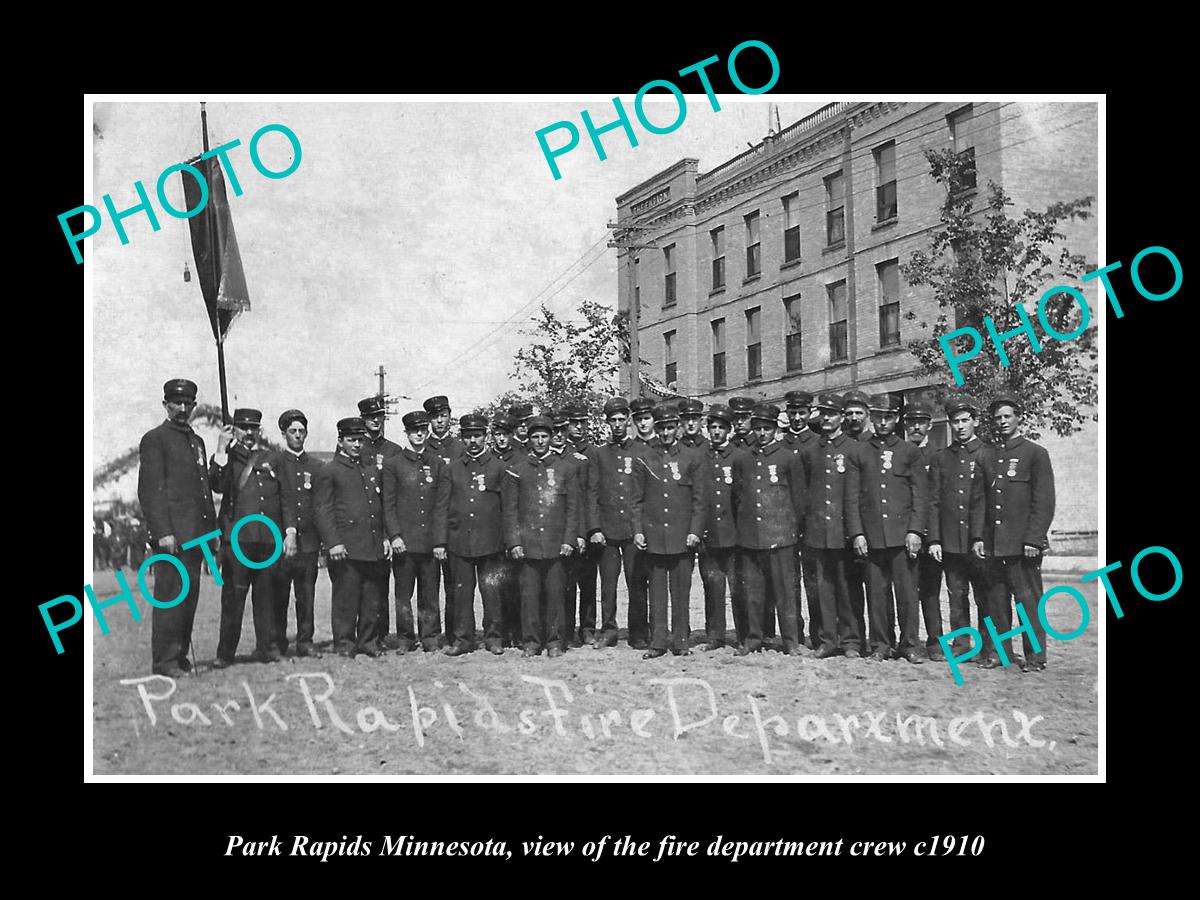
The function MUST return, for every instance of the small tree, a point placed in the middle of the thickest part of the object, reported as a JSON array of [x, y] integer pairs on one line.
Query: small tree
[[985, 265], [569, 362]]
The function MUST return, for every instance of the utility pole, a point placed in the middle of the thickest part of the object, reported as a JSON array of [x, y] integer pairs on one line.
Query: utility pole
[[629, 237], [381, 372]]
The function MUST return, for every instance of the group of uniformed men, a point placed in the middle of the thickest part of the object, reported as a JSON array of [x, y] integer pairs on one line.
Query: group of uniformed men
[[525, 508]]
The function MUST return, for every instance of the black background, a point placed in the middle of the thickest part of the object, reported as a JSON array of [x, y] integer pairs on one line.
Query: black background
[[183, 828]]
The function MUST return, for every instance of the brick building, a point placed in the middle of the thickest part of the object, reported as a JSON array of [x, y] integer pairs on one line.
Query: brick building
[[779, 269]]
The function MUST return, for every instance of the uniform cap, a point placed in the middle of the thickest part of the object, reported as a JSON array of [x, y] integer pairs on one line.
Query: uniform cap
[[640, 405], [180, 389], [469, 422], [247, 418], [856, 398], [688, 407], [918, 409], [351, 425], [665, 414], [372, 406], [521, 411], [574, 411], [959, 405], [415, 419], [614, 405], [768, 412], [435, 404], [292, 415], [1006, 398], [721, 412], [540, 423], [798, 399], [831, 401], [884, 403], [503, 422], [741, 405], [559, 417]]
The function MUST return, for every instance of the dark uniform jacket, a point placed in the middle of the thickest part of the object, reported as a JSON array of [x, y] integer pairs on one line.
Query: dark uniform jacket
[[173, 484], [1012, 497], [410, 485], [798, 443], [297, 481], [587, 458], [745, 441], [254, 492], [668, 497], [375, 452], [349, 508], [542, 504], [468, 518], [614, 487], [506, 455], [886, 492], [769, 497], [448, 447], [644, 445], [721, 528], [696, 442], [951, 476], [826, 465]]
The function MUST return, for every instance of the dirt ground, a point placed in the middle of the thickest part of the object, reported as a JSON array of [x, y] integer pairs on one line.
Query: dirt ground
[[586, 713]]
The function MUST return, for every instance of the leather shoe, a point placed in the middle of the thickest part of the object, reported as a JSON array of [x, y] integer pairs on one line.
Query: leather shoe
[[990, 663], [826, 652], [175, 671], [272, 657], [911, 657], [684, 652], [878, 656], [531, 651], [640, 644], [308, 650], [853, 654], [497, 649], [1037, 666], [744, 650], [456, 650], [554, 652], [222, 663], [936, 654], [654, 653], [714, 645], [370, 651], [790, 649]]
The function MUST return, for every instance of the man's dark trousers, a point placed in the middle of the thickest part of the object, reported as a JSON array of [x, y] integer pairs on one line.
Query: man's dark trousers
[[806, 576], [510, 601], [1017, 579], [171, 629], [467, 570], [674, 572], [887, 570], [419, 572], [929, 592], [618, 555], [359, 589], [966, 571], [301, 571], [718, 567], [239, 579], [581, 574], [839, 625], [770, 572], [542, 584]]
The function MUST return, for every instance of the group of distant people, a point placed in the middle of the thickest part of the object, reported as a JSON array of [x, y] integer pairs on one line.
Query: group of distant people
[[118, 542], [862, 520]]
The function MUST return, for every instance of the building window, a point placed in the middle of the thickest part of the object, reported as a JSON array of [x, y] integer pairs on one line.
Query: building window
[[669, 278], [835, 210], [885, 180], [754, 343], [889, 303], [718, 355], [753, 260], [791, 228], [669, 357], [962, 144], [837, 322], [718, 257], [791, 312]]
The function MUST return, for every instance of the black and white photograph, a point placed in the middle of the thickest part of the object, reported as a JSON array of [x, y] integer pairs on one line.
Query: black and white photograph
[[675, 435]]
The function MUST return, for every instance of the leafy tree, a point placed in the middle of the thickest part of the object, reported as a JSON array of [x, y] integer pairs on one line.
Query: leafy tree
[[985, 265]]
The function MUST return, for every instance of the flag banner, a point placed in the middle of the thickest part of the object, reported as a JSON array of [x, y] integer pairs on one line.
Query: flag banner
[[214, 245]]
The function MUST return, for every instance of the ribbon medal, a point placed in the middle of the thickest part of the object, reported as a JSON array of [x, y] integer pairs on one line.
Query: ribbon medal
[[675, 470], [479, 482], [550, 476], [771, 469], [840, 459], [972, 465], [307, 481], [379, 460], [629, 465], [728, 470], [1012, 467], [887, 459], [428, 474]]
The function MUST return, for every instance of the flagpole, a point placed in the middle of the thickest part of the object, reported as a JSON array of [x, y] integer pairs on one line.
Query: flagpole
[[212, 243]]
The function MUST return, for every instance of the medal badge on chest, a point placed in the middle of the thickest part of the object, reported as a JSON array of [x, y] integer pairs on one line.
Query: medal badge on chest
[[972, 466], [840, 459], [307, 480], [379, 460], [428, 474], [887, 459], [199, 455], [480, 482], [1012, 467], [550, 476], [629, 465], [675, 470], [772, 470], [373, 482], [728, 470]]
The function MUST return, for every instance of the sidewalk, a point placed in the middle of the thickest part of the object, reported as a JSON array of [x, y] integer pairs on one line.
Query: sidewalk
[[1069, 565]]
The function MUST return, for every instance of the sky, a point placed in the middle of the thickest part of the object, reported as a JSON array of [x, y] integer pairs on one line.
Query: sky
[[409, 232]]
